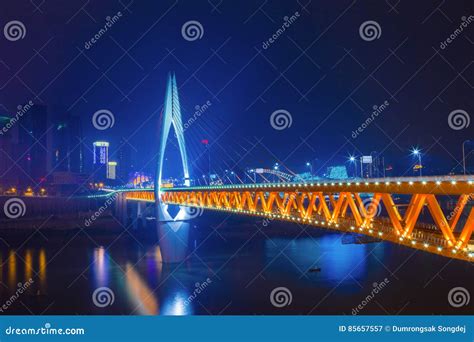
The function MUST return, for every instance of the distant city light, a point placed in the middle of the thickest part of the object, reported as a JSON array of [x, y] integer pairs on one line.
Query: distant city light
[[101, 143], [415, 151], [101, 152], [111, 170]]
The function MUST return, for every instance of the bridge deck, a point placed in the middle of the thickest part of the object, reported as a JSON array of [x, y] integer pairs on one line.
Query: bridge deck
[[443, 185]]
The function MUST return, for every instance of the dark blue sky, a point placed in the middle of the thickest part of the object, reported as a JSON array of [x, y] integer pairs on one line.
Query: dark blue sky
[[320, 70]]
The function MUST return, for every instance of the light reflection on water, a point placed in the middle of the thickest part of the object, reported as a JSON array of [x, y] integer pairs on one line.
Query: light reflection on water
[[139, 284], [308, 252], [174, 305], [144, 286], [42, 270], [22, 266], [101, 267], [243, 272], [28, 264], [12, 269], [141, 296]]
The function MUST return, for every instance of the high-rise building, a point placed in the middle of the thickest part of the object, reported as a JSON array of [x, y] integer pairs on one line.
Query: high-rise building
[[125, 162], [100, 159], [378, 165], [101, 153], [8, 146], [372, 165], [111, 170], [35, 145], [68, 147]]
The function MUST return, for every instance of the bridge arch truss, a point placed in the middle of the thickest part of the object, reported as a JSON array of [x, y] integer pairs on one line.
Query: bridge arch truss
[[341, 207]]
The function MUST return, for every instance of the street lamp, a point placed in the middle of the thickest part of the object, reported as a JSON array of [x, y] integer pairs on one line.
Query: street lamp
[[310, 165], [464, 156], [275, 167], [254, 175], [352, 159], [417, 153]]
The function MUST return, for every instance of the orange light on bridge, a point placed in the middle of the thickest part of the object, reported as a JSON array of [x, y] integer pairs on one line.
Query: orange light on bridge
[[339, 206]]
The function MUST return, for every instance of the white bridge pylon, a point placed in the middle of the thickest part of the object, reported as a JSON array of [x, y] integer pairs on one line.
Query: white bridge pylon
[[171, 116]]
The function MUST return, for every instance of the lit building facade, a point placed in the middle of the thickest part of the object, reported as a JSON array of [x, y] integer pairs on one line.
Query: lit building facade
[[100, 159], [112, 170]]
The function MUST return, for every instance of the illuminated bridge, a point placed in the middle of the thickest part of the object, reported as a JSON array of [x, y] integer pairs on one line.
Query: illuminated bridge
[[390, 209]]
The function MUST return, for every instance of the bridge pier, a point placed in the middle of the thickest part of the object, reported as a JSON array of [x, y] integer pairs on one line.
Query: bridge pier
[[173, 233], [173, 239], [139, 214], [120, 208]]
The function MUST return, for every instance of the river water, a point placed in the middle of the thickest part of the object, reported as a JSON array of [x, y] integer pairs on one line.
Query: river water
[[233, 267]]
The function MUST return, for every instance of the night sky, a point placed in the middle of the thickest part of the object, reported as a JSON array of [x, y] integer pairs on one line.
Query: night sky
[[320, 70]]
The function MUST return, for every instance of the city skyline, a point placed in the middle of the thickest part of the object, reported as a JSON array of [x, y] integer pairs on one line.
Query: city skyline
[[324, 125]]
